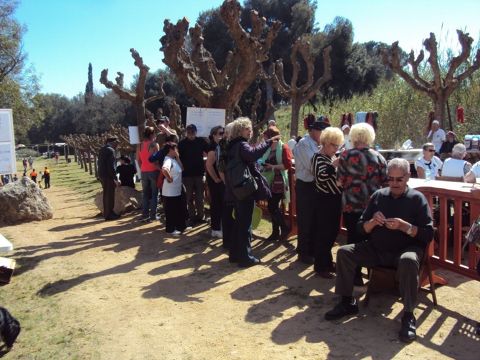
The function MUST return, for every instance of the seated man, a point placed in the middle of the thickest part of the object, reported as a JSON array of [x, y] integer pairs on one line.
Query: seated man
[[456, 166], [399, 226], [473, 174]]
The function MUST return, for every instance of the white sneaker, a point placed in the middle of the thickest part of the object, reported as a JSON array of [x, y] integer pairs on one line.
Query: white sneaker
[[175, 233], [217, 233]]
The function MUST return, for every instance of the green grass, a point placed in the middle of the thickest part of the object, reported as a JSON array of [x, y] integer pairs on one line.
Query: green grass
[[75, 178]]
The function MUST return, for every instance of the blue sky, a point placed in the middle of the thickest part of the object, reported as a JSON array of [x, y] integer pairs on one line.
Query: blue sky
[[65, 35]]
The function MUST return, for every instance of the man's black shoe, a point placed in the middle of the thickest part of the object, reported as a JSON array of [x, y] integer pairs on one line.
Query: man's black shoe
[[408, 331], [342, 309], [308, 260], [112, 217], [249, 263]]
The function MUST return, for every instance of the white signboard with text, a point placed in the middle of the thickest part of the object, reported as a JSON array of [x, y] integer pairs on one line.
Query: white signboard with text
[[133, 135], [205, 119], [8, 163]]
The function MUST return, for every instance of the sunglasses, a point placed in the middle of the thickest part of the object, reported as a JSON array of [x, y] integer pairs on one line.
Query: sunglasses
[[220, 133], [431, 150], [395, 179]]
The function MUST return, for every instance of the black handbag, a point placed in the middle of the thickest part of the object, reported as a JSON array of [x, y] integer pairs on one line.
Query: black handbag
[[241, 179]]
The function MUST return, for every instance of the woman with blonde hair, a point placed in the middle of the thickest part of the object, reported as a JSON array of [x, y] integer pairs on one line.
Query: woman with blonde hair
[[328, 200], [361, 172], [240, 157]]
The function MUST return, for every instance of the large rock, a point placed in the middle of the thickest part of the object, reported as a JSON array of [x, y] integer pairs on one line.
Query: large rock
[[126, 199], [22, 201]]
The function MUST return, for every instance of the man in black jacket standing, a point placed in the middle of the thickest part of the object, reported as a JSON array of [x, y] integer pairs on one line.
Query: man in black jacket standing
[[108, 177], [192, 150]]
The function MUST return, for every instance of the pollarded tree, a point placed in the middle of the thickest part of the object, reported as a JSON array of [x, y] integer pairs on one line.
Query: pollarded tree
[[439, 87], [196, 69], [300, 94], [137, 98]]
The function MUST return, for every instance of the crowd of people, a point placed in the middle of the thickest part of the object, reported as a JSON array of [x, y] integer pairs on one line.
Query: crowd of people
[[338, 175]]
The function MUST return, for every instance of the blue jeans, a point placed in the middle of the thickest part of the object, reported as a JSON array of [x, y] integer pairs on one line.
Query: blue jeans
[[150, 193]]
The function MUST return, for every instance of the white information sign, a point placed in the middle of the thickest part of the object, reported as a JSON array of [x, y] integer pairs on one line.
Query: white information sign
[[8, 163], [133, 135], [205, 119]]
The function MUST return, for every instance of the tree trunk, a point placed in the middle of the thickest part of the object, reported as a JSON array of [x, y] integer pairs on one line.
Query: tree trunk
[[90, 170], [95, 167], [296, 104], [85, 161], [439, 104], [80, 159], [269, 93], [140, 110]]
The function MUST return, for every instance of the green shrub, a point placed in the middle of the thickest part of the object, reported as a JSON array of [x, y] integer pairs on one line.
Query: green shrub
[[403, 111]]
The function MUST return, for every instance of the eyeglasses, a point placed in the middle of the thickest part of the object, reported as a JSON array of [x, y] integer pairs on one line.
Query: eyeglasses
[[220, 133], [395, 179], [431, 150]]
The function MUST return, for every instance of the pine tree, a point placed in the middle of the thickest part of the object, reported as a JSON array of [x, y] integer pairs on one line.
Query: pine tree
[[89, 85]]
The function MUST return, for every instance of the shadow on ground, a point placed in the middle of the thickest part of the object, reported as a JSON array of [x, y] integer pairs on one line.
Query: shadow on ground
[[291, 297]]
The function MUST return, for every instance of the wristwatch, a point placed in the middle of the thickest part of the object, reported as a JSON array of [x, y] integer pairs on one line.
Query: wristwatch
[[410, 230]]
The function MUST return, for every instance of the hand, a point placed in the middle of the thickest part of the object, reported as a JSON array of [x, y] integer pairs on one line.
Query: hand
[[162, 128], [154, 148], [268, 166], [336, 161], [218, 180], [276, 138], [395, 224], [378, 219], [117, 183]]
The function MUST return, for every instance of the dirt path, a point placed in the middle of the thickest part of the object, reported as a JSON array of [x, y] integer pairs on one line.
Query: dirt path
[[122, 290]]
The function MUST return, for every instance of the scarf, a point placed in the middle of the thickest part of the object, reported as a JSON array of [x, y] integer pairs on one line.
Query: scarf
[[269, 174]]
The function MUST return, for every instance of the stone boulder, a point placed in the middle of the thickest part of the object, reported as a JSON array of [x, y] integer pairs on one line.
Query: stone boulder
[[22, 201], [126, 199]]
